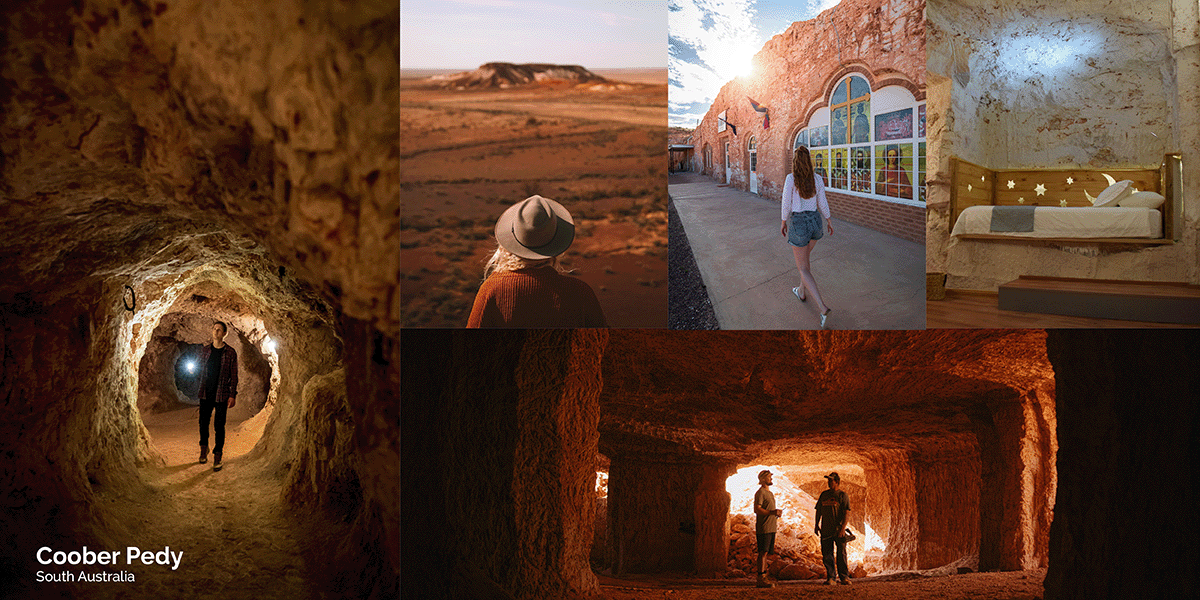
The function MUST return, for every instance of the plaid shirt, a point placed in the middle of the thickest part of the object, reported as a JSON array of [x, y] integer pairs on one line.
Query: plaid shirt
[[227, 380]]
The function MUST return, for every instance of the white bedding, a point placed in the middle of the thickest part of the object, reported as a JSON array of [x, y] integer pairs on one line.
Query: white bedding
[[1070, 222]]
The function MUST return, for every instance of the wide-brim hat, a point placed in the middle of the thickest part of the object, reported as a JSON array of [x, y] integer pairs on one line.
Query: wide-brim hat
[[535, 228]]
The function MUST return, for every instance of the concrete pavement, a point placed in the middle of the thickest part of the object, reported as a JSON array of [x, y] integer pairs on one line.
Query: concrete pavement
[[871, 280]]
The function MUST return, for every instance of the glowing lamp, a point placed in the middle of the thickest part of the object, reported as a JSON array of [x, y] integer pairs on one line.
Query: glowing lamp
[[191, 366], [269, 344]]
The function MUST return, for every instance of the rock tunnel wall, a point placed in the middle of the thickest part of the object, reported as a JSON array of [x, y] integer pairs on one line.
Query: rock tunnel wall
[[163, 145], [507, 426], [1127, 461]]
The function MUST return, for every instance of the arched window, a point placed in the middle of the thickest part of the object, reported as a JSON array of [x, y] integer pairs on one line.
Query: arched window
[[752, 148], [870, 142]]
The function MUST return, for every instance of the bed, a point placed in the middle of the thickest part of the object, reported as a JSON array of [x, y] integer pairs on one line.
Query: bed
[[1056, 205]]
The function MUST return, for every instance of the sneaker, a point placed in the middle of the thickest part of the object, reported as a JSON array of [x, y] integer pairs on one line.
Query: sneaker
[[844, 581], [828, 582], [216, 461], [203, 454], [763, 583], [796, 292]]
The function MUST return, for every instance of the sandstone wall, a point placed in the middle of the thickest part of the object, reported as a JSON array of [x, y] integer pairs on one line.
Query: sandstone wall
[[1127, 462], [947, 502], [794, 74], [1080, 84]]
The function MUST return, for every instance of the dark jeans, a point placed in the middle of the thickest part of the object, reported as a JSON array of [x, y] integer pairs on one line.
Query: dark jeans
[[827, 545], [206, 412]]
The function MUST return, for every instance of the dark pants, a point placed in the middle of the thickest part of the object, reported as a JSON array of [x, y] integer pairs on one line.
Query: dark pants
[[827, 545], [206, 412]]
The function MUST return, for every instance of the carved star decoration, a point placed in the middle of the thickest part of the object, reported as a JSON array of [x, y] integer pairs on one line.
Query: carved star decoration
[[1021, 200], [969, 188], [982, 179], [1011, 185], [1062, 202], [1070, 180], [1040, 189]]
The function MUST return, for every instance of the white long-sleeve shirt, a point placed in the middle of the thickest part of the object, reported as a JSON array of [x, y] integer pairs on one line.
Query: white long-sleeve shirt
[[792, 202]]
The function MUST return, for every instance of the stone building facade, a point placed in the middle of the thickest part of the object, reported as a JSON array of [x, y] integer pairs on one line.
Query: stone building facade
[[850, 84]]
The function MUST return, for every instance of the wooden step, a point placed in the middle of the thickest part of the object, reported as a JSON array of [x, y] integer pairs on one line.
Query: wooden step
[[1155, 301]]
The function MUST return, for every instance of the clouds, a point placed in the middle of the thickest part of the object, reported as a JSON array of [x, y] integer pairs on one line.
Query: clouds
[[712, 41]]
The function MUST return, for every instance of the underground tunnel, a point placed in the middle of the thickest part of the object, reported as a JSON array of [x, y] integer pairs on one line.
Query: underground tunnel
[[165, 166], [978, 464]]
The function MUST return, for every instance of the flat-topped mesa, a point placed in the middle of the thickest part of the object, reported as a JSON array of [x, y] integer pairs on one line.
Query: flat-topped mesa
[[503, 75]]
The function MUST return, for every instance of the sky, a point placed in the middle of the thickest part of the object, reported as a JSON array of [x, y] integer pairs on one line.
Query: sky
[[463, 34], [712, 42]]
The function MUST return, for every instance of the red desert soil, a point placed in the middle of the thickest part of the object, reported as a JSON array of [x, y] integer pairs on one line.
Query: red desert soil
[[466, 155], [1011, 585]]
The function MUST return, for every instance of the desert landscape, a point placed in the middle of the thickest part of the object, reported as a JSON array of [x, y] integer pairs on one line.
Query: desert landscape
[[473, 143]]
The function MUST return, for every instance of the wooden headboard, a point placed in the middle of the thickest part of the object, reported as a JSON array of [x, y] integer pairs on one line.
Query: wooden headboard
[[973, 185]]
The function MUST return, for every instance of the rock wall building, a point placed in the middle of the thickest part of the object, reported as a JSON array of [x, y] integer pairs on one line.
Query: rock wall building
[[850, 84]]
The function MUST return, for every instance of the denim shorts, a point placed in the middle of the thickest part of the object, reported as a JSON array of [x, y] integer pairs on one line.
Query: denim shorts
[[804, 227]]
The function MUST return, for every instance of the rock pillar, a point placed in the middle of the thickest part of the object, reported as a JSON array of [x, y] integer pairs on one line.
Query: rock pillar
[[1128, 420], [892, 506], [652, 514], [500, 444], [947, 491], [712, 521]]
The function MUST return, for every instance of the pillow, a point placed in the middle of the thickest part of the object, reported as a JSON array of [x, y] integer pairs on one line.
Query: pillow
[[1114, 193], [1143, 199]]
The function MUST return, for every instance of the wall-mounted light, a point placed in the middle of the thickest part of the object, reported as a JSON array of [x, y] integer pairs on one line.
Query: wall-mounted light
[[269, 344]]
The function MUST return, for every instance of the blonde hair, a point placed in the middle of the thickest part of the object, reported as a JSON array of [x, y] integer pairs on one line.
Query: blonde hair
[[503, 261]]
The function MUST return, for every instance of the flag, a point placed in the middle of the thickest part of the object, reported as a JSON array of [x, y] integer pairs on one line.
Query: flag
[[729, 125], [762, 109]]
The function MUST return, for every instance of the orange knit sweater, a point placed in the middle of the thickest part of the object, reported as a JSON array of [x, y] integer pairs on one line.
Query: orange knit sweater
[[533, 298]]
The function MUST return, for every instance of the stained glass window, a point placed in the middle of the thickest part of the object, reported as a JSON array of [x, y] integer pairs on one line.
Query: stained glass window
[[801, 139], [893, 169]]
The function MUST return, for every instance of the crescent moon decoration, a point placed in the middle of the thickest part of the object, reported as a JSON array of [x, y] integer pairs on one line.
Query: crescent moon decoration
[[1089, 197], [1109, 178]]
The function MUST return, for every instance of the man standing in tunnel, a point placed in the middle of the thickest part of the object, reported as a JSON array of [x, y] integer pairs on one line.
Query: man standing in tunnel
[[765, 515], [218, 390], [833, 509]]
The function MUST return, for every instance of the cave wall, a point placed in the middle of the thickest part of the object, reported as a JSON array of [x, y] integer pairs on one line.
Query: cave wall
[[1127, 463], [504, 426]]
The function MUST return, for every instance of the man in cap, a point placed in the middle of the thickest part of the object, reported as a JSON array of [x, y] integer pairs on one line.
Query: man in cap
[[765, 515], [833, 510]]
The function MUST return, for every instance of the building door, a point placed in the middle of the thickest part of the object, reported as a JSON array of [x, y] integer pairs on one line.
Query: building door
[[753, 149], [728, 168]]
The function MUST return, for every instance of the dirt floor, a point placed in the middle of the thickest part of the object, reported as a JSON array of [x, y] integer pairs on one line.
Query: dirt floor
[[467, 155], [238, 540], [1013, 585]]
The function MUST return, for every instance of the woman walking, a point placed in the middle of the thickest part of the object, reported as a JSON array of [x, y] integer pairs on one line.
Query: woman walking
[[803, 195], [523, 286]]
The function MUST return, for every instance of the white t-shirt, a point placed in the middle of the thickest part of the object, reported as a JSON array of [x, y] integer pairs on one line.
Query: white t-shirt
[[792, 202], [765, 499]]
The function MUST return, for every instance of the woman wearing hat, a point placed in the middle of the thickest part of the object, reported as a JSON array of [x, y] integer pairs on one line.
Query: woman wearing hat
[[803, 195], [522, 284]]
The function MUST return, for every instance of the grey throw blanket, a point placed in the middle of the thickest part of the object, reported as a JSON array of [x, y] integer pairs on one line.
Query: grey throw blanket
[[1012, 218]]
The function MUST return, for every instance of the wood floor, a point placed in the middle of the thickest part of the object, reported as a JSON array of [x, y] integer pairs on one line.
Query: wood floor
[[971, 310]]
